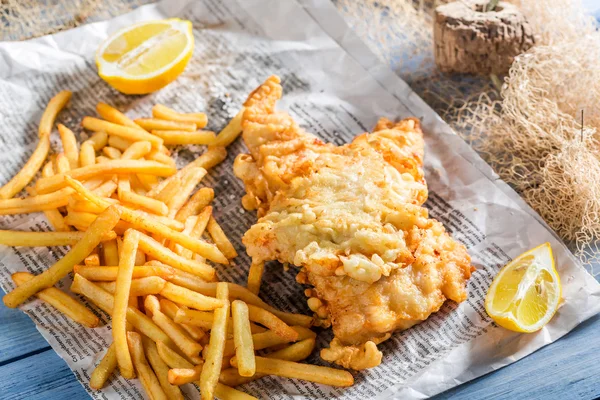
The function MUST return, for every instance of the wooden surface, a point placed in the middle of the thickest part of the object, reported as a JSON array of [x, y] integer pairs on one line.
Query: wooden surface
[[567, 369]]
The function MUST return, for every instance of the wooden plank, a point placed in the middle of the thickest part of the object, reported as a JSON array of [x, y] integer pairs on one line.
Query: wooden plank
[[18, 335], [43, 376], [566, 369]]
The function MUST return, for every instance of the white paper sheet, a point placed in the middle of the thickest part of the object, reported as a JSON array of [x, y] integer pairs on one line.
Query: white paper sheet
[[335, 87]]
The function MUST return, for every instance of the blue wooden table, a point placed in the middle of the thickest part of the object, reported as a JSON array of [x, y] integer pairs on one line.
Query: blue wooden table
[[567, 369]]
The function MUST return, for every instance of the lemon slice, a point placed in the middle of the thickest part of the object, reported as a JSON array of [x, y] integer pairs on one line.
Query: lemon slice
[[147, 56], [526, 293]]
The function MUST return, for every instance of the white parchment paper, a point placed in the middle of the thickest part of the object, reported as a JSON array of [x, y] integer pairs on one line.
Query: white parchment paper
[[335, 87]]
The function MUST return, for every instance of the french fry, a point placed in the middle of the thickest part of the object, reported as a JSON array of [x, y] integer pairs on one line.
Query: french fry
[[160, 369], [204, 320], [190, 298], [115, 116], [128, 133], [60, 198], [69, 143], [62, 163], [119, 142], [122, 293], [170, 309], [136, 150], [45, 239], [139, 286], [185, 137], [209, 377], [275, 324], [93, 260], [242, 338], [111, 152], [186, 344], [105, 301], [163, 112], [106, 189], [84, 206], [61, 301], [108, 274], [77, 218], [161, 253], [171, 358], [294, 352], [181, 376], [87, 154], [98, 140], [239, 292], [110, 252], [104, 369], [198, 229], [255, 274], [54, 216], [268, 339], [145, 374], [168, 191], [151, 124], [102, 160], [307, 372], [58, 181], [157, 155], [149, 224], [231, 131], [224, 392], [190, 180], [148, 203], [100, 227], [33, 165], [220, 239], [202, 198]]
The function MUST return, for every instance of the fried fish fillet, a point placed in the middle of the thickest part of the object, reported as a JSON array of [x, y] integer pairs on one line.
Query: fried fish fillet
[[351, 218]]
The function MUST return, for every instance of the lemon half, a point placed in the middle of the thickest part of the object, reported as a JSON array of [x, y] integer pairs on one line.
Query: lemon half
[[526, 293], [145, 57]]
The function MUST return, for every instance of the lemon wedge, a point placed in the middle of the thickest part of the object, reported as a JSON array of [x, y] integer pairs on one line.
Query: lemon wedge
[[145, 57], [526, 293]]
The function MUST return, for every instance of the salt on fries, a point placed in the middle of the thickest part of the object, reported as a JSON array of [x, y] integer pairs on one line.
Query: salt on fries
[[138, 254]]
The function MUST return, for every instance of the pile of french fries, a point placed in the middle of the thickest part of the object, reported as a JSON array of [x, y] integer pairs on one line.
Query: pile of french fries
[[138, 233]]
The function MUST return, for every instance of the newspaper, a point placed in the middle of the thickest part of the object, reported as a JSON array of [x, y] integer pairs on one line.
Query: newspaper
[[336, 88]]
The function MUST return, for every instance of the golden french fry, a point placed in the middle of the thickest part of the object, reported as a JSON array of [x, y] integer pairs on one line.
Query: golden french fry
[[145, 374], [58, 181], [190, 180], [275, 324], [150, 204], [102, 160], [239, 292], [151, 225], [186, 344], [163, 112], [231, 131], [294, 352], [204, 320], [171, 358], [61, 301], [307, 372], [105, 301], [202, 198], [100, 227], [128, 133], [170, 190], [220, 239], [115, 116], [157, 155], [170, 309], [198, 229], [69, 143], [107, 273], [106, 189], [161, 253], [87, 154], [139, 286], [54, 216], [119, 142], [26, 174], [181, 376], [255, 274], [77, 218], [151, 124], [55, 105], [160, 369], [98, 140], [122, 293], [214, 351], [267, 339], [84, 206], [44, 239], [104, 369], [93, 260], [60, 198], [62, 163], [190, 298], [136, 150], [242, 338], [111, 152], [110, 252], [185, 137], [224, 392]]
